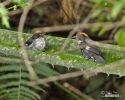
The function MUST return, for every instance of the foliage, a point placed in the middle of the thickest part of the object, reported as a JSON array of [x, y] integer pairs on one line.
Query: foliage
[[4, 11], [18, 87], [109, 11], [120, 37], [17, 72], [70, 59], [104, 11], [3, 15]]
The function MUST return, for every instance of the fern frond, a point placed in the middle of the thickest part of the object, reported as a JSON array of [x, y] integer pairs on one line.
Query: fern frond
[[26, 94], [14, 76], [43, 70], [23, 89], [18, 86], [27, 90], [9, 68]]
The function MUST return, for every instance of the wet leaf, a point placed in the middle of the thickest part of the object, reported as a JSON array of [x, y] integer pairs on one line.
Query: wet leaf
[[70, 59]]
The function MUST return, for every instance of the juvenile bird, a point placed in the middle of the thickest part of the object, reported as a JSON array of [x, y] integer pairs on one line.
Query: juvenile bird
[[36, 42], [88, 50]]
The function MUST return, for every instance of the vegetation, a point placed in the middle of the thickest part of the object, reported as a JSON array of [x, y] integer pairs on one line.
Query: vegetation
[[62, 59]]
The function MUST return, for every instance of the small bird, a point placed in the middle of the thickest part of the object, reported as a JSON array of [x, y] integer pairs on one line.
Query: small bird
[[88, 50], [36, 42]]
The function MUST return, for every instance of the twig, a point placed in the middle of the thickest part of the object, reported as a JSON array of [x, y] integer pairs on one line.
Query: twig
[[86, 73], [81, 26], [75, 96], [18, 11], [76, 29], [38, 2], [108, 41], [113, 32], [14, 12], [55, 78], [84, 3], [113, 47], [5, 3], [78, 13], [20, 38], [11, 59], [75, 90]]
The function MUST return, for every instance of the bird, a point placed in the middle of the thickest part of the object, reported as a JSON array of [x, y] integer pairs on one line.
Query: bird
[[36, 42], [88, 50]]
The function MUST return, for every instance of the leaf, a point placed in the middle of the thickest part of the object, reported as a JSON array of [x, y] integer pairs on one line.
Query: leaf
[[120, 37], [5, 21], [70, 59], [19, 83], [109, 17], [94, 29], [117, 8], [14, 7], [123, 19], [96, 13], [3, 15], [102, 31]]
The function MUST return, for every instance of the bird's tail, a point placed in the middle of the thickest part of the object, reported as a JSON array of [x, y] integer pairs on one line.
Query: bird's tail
[[99, 59]]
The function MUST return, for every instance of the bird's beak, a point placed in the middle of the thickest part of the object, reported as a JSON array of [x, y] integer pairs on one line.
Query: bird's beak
[[74, 37]]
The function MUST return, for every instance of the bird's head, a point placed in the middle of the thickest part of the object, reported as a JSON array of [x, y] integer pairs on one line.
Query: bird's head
[[81, 36], [37, 34]]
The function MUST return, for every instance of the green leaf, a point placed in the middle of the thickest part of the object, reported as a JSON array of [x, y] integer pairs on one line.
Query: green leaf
[[120, 37], [102, 31], [3, 15], [19, 83], [123, 19], [70, 59], [5, 21], [18, 73], [96, 13], [14, 7], [95, 29], [117, 8], [109, 17]]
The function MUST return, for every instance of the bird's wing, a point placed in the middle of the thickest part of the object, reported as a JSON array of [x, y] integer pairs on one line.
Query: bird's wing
[[95, 49], [29, 41], [99, 59], [91, 48]]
